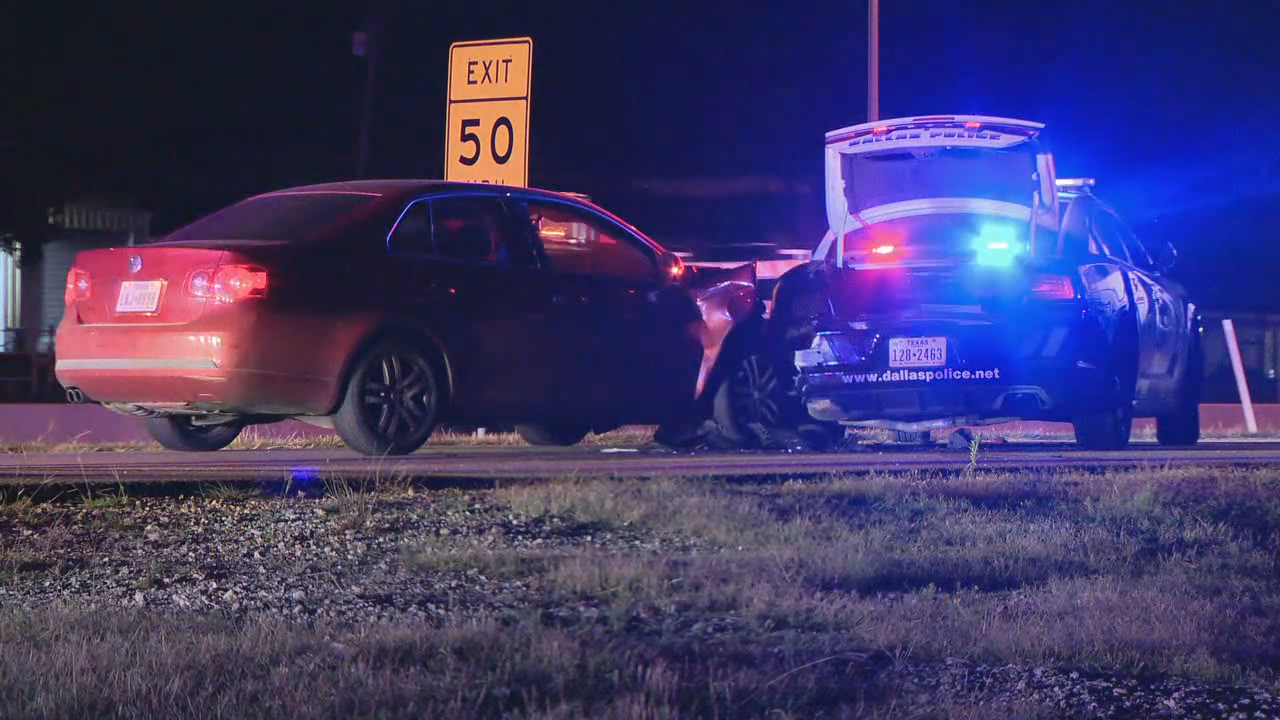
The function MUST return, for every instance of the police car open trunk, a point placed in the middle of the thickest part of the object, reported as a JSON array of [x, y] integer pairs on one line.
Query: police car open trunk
[[939, 215], [944, 294]]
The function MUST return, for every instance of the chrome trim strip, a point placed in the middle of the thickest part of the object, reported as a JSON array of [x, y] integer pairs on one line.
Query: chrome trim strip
[[136, 364]]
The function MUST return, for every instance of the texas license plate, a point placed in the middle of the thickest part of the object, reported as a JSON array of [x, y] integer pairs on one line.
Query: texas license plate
[[140, 296], [917, 352]]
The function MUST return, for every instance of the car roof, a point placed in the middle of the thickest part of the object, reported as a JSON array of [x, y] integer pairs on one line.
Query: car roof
[[403, 188], [408, 186]]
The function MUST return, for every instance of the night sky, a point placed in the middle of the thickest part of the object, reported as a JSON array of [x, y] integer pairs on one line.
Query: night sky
[[185, 106]]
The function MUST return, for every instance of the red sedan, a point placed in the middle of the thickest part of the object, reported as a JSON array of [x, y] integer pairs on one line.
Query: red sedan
[[385, 308]]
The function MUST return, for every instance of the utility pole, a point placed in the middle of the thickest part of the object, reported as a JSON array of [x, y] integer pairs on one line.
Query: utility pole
[[873, 60], [366, 44]]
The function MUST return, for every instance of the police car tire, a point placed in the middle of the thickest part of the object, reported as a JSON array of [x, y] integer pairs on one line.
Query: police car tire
[[1106, 430], [1181, 428]]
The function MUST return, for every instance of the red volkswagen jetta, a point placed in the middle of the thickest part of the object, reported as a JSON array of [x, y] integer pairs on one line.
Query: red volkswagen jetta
[[383, 308]]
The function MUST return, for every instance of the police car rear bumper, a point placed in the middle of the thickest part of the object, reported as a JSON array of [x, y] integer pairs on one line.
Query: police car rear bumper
[[1021, 385]]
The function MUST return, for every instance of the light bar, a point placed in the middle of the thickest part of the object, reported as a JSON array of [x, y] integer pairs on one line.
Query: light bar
[[1076, 182]]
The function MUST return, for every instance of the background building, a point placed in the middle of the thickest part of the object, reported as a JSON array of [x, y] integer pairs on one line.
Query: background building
[[32, 279]]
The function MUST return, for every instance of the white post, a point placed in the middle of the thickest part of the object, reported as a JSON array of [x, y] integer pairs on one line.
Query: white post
[[1242, 385], [480, 433]]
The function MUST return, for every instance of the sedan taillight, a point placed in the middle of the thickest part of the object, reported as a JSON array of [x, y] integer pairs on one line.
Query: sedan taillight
[[78, 286], [228, 283]]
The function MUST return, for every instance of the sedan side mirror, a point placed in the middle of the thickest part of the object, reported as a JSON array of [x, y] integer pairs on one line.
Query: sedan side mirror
[[1166, 258]]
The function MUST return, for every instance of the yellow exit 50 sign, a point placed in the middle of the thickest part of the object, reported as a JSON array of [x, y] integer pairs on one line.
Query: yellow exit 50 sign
[[488, 111]]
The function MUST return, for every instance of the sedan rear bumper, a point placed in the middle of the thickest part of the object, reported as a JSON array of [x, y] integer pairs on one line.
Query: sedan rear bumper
[[191, 386], [236, 363]]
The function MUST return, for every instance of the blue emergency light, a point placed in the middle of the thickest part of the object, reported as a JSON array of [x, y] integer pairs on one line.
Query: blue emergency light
[[997, 245]]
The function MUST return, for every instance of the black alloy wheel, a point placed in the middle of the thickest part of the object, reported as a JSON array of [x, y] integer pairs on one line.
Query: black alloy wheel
[[756, 393], [756, 406], [392, 403]]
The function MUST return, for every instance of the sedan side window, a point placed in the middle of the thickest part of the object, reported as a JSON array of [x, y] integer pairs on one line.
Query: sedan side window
[[467, 228], [576, 243], [411, 236]]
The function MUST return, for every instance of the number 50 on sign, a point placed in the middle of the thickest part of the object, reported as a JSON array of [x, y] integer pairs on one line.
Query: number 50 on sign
[[488, 112]]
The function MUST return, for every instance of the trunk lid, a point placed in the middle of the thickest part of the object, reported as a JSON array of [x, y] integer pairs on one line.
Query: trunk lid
[[142, 285], [941, 165]]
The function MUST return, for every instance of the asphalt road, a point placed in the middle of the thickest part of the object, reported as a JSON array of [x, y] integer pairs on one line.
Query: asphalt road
[[523, 462]]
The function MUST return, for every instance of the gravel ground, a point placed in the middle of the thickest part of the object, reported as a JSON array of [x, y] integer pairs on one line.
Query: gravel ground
[[1055, 692], [336, 559], [351, 557]]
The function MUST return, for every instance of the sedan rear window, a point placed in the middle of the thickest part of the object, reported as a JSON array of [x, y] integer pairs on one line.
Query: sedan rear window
[[277, 216]]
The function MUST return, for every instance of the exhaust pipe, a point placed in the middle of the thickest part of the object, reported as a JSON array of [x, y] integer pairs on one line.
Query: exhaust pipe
[[75, 396]]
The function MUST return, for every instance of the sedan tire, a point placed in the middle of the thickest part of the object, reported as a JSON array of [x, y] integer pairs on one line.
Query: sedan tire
[[178, 433], [392, 401], [551, 435], [756, 407]]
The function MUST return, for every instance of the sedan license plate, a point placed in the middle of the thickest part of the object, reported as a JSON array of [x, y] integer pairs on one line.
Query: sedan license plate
[[917, 352], [139, 296]]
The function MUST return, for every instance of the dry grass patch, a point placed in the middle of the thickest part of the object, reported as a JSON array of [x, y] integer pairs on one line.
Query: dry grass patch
[[709, 598], [705, 511], [89, 664], [1172, 569]]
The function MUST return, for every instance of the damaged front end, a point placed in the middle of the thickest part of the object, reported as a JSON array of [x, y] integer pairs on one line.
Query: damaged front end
[[728, 304]]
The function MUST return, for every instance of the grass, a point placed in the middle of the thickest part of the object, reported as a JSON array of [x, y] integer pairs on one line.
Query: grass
[[725, 599], [232, 493], [1174, 570]]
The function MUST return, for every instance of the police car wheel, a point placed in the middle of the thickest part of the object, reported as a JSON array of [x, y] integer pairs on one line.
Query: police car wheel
[[1181, 427], [1105, 430]]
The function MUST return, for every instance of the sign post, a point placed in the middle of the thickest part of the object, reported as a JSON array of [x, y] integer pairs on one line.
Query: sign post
[[488, 111]]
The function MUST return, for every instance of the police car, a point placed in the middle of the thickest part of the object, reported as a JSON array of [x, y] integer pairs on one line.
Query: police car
[[961, 283]]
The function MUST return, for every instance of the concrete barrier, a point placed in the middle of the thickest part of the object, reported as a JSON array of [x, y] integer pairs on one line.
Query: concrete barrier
[[57, 424], [1217, 419]]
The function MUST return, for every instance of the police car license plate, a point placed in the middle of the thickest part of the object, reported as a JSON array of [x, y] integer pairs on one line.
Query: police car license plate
[[917, 352], [139, 296]]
